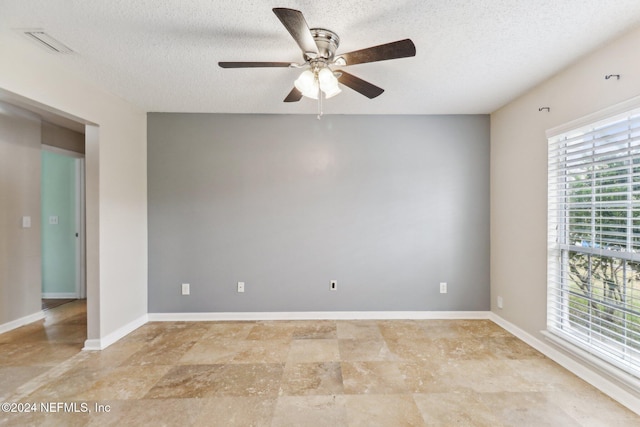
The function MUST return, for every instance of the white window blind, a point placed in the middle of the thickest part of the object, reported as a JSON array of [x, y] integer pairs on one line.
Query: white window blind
[[594, 239]]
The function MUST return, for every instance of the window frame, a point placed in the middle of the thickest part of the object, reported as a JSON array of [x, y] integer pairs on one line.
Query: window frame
[[559, 246]]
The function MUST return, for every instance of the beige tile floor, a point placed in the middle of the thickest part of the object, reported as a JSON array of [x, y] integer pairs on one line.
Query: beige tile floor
[[294, 373]]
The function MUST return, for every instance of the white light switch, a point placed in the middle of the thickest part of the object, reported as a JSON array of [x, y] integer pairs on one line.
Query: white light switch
[[185, 289], [53, 220], [26, 222]]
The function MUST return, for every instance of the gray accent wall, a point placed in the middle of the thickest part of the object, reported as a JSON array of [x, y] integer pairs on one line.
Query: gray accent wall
[[389, 206]]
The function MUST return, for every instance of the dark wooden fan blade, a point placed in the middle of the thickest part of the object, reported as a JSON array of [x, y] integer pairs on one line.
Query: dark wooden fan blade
[[294, 22], [400, 49], [253, 64], [359, 85], [294, 96]]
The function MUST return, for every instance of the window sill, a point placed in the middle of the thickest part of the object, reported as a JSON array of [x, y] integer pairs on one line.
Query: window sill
[[605, 368]]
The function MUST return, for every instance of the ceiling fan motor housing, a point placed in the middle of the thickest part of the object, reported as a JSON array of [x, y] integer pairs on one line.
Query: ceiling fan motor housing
[[327, 42]]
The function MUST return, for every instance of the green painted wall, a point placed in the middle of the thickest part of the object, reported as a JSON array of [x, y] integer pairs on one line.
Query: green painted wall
[[58, 240]]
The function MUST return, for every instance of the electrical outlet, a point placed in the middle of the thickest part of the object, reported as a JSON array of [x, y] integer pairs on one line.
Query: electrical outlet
[[334, 285], [443, 287], [186, 289], [500, 302], [240, 286]]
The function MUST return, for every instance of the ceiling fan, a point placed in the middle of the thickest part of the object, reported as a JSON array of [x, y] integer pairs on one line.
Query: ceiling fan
[[318, 46]]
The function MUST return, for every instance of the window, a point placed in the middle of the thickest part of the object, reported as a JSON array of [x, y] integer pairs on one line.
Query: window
[[594, 238]]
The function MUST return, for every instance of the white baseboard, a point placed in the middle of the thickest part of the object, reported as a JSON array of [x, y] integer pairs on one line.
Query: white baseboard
[[594, 377], [6, 327], [317, 315], [102, 343], [106, 341], [59, 295]]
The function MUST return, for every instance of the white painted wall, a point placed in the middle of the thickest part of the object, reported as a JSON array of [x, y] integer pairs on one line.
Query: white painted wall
[[20, 249], [115, 179], [519, 172]]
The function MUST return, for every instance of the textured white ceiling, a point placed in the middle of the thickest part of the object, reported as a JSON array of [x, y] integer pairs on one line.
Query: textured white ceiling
[[472, 56]]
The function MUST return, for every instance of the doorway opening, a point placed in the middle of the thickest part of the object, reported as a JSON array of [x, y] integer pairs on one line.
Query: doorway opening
[[62, 216], [23, 304]]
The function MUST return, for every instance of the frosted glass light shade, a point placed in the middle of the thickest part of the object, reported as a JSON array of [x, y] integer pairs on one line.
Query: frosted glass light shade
[[332, 91], [328, 82], [326, 78], [307, 84]]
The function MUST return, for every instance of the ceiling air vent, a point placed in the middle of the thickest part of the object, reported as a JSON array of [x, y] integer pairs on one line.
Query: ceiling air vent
[[44, 40]]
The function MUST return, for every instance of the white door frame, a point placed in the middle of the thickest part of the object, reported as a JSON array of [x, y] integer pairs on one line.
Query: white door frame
[[81, 262]]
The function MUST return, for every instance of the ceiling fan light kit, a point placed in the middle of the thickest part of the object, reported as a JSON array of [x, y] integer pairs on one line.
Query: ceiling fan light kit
[[319, 46], [310, 83]]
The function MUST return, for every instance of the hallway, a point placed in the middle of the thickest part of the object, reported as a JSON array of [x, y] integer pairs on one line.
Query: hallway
[[32, 350]]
